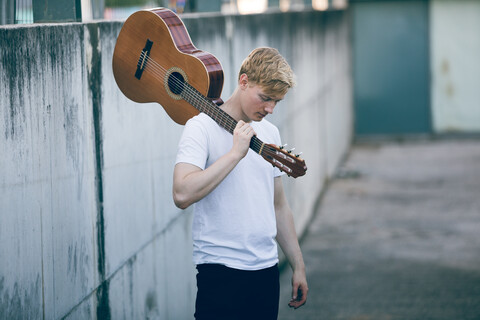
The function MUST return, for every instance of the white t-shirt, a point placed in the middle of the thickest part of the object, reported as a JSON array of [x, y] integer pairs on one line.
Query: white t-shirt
[[235, 224]]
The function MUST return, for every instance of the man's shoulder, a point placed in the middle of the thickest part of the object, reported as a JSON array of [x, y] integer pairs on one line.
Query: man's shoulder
[[204, 125], [200, 119]]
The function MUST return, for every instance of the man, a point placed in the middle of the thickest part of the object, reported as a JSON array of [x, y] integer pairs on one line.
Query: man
[[240, 205]]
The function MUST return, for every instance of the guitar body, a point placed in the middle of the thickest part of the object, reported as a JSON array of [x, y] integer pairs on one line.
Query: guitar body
[[160, 36]]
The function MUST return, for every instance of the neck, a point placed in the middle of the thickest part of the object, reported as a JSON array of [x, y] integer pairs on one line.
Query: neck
[[233, 107]]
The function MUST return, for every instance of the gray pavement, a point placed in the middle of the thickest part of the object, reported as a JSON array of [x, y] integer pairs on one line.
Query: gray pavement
[[397, 235]]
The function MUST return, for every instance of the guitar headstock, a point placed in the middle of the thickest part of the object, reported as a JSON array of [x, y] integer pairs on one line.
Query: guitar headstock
[[284, 160]]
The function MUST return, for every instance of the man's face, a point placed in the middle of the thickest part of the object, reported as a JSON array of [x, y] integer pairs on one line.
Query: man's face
[[257, 104]]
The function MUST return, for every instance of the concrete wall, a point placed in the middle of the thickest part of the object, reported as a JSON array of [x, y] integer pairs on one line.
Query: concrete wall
[[455, 67], [88, 228]]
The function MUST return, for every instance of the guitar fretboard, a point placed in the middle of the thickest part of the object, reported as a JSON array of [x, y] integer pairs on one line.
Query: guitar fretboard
[[202, 104]]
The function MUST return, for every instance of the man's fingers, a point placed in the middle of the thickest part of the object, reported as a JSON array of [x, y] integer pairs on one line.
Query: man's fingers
[[299, 297], [297, 303], [294, 291], [244, 127]]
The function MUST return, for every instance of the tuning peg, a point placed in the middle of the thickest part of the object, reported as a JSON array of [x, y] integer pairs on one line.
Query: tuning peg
[[283, 147], [291, 150], [298, 155]]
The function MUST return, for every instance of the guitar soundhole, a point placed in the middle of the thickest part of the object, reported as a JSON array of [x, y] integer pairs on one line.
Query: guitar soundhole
[[176, 83]]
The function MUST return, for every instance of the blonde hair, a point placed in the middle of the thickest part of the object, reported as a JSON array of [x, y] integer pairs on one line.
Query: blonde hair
[[267, 68]]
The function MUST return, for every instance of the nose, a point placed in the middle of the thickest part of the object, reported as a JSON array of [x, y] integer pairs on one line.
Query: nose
[[270, 105]]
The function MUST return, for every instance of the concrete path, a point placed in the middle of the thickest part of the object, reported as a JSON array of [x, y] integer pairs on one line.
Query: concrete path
[[397, 236]]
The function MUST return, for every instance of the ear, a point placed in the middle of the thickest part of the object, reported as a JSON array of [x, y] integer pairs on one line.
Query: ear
[[243, 81]]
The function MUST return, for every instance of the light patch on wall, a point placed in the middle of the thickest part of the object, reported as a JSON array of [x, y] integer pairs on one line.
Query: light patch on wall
[[284, 5], [320, 4], [340, 4], [252, 6], [323, 5]]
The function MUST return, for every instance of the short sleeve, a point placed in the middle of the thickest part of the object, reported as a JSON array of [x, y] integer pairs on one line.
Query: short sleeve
[[193, 144]]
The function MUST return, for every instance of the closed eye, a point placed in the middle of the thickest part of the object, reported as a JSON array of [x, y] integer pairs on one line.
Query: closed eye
[[267, 98]]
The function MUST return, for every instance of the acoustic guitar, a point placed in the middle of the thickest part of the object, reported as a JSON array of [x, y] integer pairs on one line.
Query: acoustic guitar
[[155, 61]]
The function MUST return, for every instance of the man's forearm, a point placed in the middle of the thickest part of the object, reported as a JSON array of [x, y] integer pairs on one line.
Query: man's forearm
[[288, 241], [192, 185]]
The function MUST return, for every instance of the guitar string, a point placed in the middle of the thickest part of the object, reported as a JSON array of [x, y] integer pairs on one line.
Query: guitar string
[[196, 96], [191, 92]]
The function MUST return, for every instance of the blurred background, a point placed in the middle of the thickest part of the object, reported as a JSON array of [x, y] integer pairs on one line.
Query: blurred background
[[28, 11], [386, 112]]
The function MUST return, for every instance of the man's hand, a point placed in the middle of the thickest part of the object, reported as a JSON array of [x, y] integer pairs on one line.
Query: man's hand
[[299, 289], [242, 135]]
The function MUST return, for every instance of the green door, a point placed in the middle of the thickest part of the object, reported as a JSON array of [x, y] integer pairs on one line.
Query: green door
[[391, 67]]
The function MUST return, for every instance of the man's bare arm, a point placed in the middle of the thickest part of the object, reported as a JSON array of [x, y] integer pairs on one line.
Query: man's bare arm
[[287, 239], [191, 183]]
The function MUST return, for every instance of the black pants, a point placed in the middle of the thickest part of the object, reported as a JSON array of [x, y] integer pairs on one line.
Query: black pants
[[229, 294]]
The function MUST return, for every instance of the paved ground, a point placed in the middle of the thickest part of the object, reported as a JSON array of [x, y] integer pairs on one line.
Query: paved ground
[[397, 236]]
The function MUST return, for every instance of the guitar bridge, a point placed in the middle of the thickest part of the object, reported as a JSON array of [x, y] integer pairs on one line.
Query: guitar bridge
[[142, 61]]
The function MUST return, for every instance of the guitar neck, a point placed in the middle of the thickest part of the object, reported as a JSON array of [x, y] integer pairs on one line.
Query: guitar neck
[[202, 104]]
